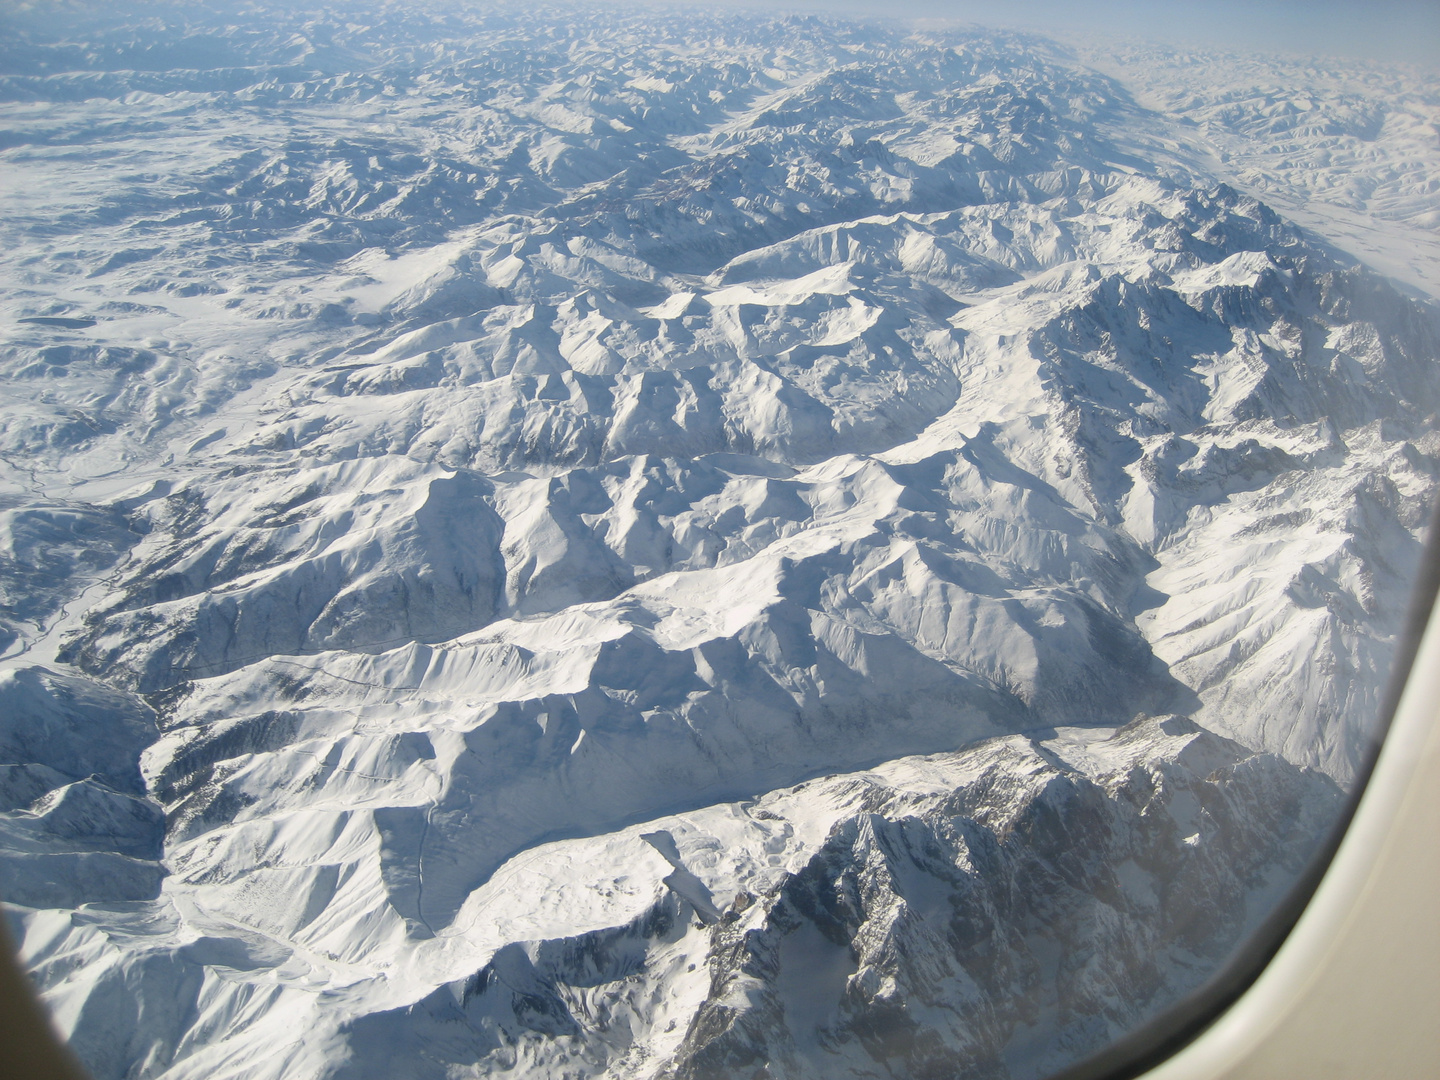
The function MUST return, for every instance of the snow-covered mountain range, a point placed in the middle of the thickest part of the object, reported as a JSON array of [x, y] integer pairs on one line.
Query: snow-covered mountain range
[[590, 543]]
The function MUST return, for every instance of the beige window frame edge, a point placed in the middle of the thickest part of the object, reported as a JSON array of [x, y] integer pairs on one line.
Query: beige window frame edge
[[1354, 990]]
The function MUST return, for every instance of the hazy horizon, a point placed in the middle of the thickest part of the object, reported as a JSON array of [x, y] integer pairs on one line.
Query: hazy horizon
[[1402, 30], [1398, 30]]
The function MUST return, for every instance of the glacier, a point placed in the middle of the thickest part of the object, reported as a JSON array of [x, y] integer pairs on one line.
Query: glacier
[[603, 543]]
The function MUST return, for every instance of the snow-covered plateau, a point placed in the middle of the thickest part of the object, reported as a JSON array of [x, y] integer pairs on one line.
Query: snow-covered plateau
[[582, 543]]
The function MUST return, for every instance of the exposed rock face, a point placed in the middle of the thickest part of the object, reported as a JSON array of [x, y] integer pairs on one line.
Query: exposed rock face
[[632, 547], [994, 911]]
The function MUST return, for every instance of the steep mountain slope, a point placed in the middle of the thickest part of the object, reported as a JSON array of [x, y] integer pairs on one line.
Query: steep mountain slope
[[531, 543]]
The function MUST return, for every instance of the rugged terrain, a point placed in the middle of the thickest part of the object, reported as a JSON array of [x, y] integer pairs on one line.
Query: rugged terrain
[[594, 544]]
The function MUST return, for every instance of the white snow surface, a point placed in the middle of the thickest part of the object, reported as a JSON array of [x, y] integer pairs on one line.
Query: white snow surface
[[582, 543]]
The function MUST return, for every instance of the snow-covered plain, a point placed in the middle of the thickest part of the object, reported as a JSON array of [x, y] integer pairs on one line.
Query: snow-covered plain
[[583, 543]]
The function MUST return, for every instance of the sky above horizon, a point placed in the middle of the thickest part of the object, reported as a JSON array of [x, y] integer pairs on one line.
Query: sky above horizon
[[1404, 30]]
